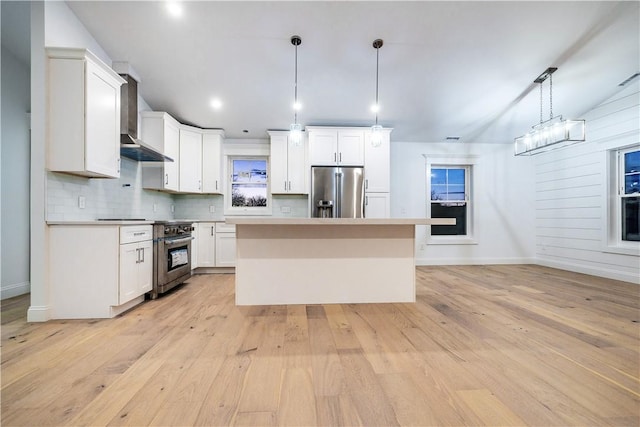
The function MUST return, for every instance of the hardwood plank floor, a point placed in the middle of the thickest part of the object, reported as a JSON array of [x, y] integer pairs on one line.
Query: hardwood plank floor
[[483, 345]]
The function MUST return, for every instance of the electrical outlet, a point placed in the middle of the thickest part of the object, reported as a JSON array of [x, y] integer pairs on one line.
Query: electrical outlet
[[155, 207], [212, 209], [285, 209], [81, 202], [422, 247], [173, 208]]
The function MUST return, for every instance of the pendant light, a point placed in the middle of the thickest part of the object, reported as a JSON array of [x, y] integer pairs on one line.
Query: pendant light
[[376, 130], [295, 130], [553, 133]]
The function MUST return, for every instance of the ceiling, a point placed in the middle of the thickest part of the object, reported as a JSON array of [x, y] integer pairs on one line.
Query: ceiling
[[446, 68]]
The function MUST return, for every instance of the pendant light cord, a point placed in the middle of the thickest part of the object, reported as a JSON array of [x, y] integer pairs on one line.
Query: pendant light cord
[[377, 62], [295, 90], [550, 96]]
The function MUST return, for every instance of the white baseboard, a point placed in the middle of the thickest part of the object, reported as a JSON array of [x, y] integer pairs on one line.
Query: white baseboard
[[10, 291], [593, 271], [39, 313], [473, 261]]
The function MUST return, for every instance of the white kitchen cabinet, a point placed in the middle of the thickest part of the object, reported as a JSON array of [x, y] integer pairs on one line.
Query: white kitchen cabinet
[[136, 265], [194, 246], [98, 271], [162, 132], [289, 166], [376, 205], [377, 161], [336, 146], [225, 245], [212, 140], [190, 169], [83, 133], [206, 244]]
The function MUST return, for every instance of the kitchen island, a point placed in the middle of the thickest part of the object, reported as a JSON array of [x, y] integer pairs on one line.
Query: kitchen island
[[324, 261]]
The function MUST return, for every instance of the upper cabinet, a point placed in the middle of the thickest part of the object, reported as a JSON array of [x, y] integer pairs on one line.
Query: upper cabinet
[[377, 164], [329, 146], [212, 140], [190, 170], [162, 132], [289, 166], [83, 133]]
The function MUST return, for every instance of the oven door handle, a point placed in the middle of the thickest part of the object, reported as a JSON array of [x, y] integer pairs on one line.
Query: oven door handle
[[171, 242]]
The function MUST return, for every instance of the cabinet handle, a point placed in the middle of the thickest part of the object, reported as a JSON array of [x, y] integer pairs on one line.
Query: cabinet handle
[[285, 185], [166, 179], [366, 184], [366, 200], [199, 184], [118, 165], [137, 255], [340, 157], [212, 230], [142, 252], [216, 184], [289, 185], [335, 157]]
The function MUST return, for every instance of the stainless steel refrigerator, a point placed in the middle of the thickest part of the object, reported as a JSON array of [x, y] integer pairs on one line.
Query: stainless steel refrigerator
[[337, 192]]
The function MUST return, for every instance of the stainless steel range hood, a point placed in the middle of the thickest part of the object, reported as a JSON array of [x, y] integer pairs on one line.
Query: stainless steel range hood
[[130, 146]]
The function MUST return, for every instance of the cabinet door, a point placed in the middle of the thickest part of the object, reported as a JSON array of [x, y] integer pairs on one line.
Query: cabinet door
[[323, 147], [102, 129], [206, 244], [129, 259], [278, 163], [225, 249], [297, 168], [376, 205], [377, 165], [212, 164], [351, 147], [171, 149], [145, 267], [190, 169]]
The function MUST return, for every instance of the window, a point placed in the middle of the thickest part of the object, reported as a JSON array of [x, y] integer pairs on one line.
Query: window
[[248, 186], [629, 194], [449, 195]]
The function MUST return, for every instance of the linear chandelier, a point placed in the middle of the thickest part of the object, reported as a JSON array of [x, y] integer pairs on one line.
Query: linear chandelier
[[553, 133], [295, 130]]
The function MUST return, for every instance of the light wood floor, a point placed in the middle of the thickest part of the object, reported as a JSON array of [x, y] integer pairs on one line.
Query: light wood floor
[[490, 345]]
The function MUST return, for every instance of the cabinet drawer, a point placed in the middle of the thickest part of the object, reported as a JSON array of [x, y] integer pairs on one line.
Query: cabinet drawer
[[222, 227], [135, 233]]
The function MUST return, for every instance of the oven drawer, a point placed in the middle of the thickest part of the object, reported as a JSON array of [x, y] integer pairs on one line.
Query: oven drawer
[[135, 233]]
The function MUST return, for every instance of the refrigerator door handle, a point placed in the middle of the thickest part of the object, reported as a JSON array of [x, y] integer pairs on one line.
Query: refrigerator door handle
[[338, 206]]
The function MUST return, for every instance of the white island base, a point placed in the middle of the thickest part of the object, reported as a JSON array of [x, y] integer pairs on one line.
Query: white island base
[[324, 261]]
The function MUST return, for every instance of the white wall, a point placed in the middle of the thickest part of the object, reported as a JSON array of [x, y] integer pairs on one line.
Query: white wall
[[571, 193], [503, 189], [15, 175]]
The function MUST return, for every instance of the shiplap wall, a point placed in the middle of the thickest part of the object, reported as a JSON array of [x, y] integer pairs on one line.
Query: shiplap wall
[[571, 193]]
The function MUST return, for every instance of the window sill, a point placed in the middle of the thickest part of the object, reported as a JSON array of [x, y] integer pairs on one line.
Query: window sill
[[450, 240]]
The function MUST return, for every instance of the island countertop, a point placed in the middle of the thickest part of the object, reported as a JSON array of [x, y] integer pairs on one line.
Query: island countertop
[[338, 221]]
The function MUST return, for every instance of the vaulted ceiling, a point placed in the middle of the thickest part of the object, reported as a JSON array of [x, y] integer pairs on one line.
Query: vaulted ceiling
[[446, 68]]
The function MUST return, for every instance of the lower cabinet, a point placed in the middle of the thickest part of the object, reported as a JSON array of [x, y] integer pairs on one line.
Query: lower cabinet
[[98, 271], [225, 245], [216, 245]]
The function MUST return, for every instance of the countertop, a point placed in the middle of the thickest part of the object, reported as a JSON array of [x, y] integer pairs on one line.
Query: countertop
[[96, 222], [339, 221]]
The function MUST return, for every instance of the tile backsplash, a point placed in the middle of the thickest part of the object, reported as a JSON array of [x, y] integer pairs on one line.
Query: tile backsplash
[[125, 198]]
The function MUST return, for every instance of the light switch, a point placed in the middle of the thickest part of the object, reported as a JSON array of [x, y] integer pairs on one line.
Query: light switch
[[212, 209], [285, 209], [81, 202]]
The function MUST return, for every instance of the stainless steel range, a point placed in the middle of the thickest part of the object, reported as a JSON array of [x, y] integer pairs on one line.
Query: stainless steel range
[[171, 255]]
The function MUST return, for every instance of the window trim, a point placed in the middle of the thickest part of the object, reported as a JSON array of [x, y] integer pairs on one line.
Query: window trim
[[448, 161], [613, 242], [246, 210]]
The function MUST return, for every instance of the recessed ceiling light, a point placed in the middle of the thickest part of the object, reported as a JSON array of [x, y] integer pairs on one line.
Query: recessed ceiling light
[[216, 103], [174, 8]]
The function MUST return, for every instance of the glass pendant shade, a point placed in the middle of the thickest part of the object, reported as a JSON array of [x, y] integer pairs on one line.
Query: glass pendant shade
[[295, 133], [376, 136]]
